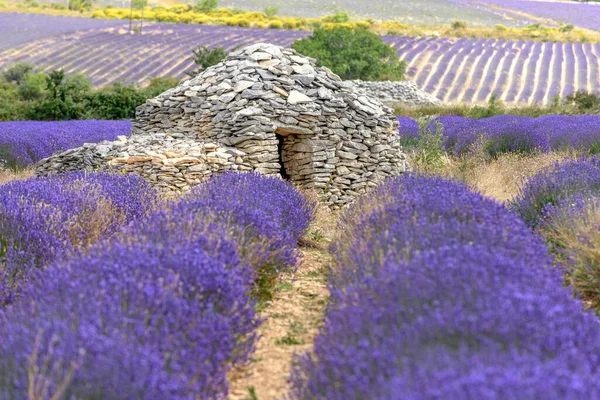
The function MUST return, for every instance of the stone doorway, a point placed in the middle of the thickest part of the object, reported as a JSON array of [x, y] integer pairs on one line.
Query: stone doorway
[[282, 159]]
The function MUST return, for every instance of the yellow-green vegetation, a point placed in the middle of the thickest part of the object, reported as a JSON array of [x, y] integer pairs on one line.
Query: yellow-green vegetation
[[187, 14]]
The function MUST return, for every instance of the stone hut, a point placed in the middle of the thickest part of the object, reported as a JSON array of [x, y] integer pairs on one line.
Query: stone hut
[[265, 109]]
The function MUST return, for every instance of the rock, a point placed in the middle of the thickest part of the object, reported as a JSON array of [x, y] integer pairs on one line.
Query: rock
[[297, 97], [394, 94]]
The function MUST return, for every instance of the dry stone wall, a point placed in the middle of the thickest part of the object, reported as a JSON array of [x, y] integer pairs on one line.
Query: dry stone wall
[[265, 109], [398, 94]]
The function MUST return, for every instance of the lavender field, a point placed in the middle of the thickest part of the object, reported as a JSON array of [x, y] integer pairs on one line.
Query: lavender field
[[586, 15], [24, 143], [509, 133], [454, 70]]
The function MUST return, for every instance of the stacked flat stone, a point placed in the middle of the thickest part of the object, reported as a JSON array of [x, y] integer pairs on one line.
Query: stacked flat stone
[[265, 109], [170, 163], [398, 94]]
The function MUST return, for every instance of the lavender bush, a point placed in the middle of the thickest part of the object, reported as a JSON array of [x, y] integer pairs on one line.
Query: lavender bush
[[555, 184], [267, 216], [410, 214], [155, 317], [509, 133], [439, 292], [162, 310], [42, 219], [25, 142]]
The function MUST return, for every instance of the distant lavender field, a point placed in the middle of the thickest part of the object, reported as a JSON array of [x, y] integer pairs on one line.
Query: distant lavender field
[[19, 28], [586, 15], [453, 70], [23, 143]]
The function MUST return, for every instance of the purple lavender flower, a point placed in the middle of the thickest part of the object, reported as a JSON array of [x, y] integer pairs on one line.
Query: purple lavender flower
[[23, 143], [43, 219], [439, 292], [555, 184]]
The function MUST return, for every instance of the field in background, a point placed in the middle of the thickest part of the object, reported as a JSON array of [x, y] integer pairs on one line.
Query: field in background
[[454, 70]]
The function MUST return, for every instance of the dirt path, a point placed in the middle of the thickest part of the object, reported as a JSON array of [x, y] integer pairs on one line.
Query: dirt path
[[292, 320]]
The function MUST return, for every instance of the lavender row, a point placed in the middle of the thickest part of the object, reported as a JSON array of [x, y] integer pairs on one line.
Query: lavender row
[[19, 28], [164, 308], [24, 143], [454, 70], [439, 292], [508, 133], [562, 202], [586, 15]]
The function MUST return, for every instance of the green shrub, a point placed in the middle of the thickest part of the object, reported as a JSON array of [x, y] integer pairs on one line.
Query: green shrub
[[2, 4], [57, 6], [338, 18], [33, 86], [271, 11], [584, 101], [65, 98], [353, 54], [206, 6], [80, 5], [457, 25], [205, 57], [11, 105], [157, 86], [16, 72], [31, 3], [500, 27], [566, 28], [116, 102]]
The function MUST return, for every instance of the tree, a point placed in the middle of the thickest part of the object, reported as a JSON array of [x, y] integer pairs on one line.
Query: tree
[[353, 54], [205, 57], [66, 98], [33, 86], [271, 11], [206, 5], [16, 72], [80, 5]]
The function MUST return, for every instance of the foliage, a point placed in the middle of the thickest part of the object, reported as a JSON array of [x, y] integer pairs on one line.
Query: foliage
[[456, 25], [271, 11], [205, 57], [206, 6], [16, 72], [64, 100], [33, 86], [338, 18], [438, 292], [56, 96], [353, 54], [80, 5], [584, 101], [116, 102]]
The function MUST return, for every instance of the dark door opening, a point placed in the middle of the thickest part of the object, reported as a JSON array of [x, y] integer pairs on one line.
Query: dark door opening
[[280, 145]]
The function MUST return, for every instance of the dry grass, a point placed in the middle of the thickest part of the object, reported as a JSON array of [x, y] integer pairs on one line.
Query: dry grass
[[499, 178], [291, 319], [7, 176]]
